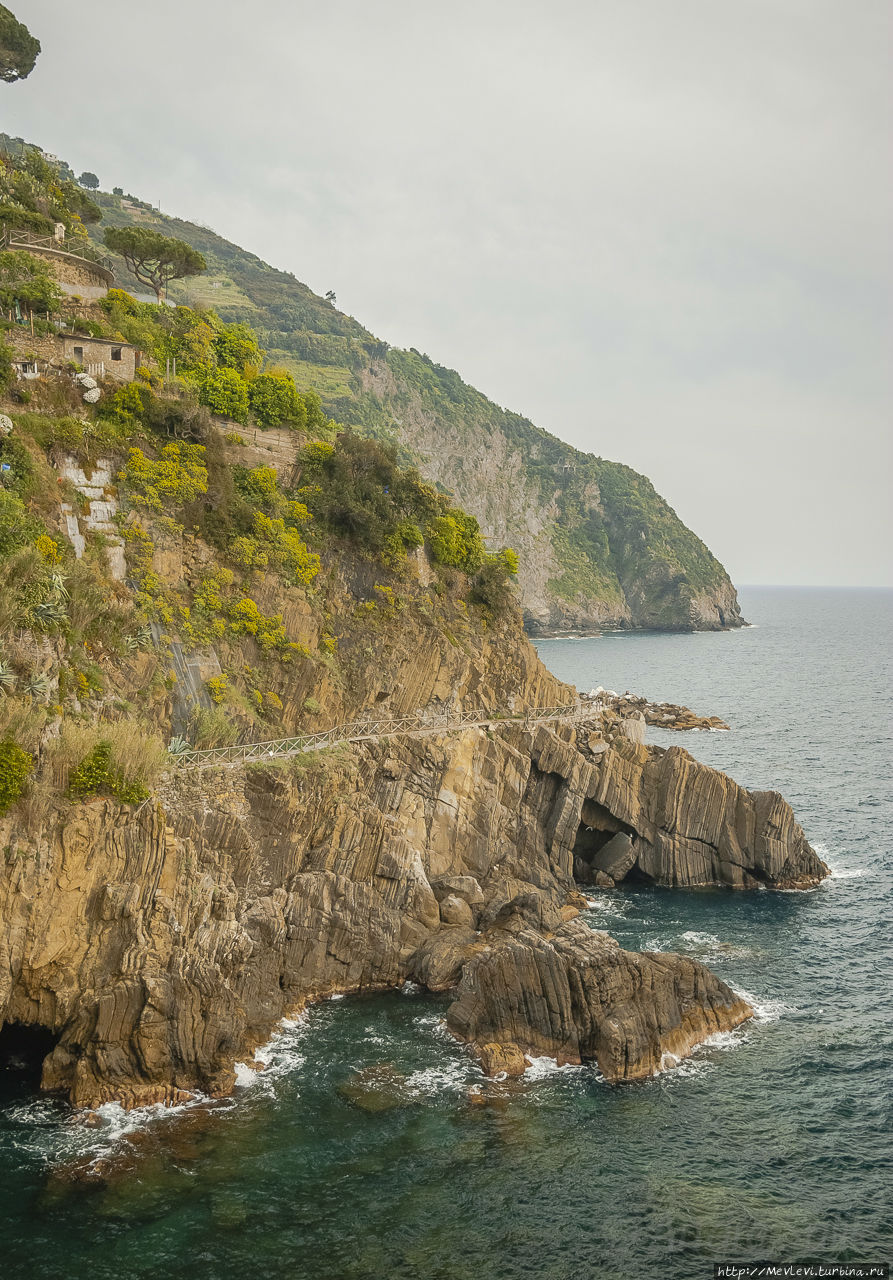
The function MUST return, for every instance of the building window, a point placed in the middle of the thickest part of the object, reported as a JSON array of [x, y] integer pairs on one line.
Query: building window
[[79, 353], [116, 353]]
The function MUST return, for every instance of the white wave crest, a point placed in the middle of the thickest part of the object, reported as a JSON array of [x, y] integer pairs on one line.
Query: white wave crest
[[280, 1056], [448, 1077], [544, 1067], [696, 939], [764, 1009]]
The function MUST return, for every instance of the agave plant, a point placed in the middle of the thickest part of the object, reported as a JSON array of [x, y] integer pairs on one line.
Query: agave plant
[[50, 612], [7, 677], [37, 686], [141, 638], [58, 587], [177, 746]]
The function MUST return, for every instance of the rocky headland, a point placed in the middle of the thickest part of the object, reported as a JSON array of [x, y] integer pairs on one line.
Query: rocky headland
[[161, 945]]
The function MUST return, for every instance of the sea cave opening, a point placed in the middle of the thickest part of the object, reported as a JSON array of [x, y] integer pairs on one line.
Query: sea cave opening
[[597, 827], [23, 1048]]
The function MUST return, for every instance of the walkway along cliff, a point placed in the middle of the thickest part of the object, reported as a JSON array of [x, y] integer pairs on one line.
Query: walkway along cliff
[[162, 945]]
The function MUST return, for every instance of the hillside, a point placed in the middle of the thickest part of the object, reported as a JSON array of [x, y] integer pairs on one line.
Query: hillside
[[598, 545]]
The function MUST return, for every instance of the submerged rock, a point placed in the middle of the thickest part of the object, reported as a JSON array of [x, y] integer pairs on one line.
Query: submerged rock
[[377, 1088]]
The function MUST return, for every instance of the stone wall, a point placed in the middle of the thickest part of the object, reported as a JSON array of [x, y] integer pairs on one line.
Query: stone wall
[[71, 270], [24, 343], [276, 447]]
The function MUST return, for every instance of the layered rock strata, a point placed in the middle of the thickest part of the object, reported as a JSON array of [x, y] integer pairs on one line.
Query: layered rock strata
[[161, 945], [577, 996]]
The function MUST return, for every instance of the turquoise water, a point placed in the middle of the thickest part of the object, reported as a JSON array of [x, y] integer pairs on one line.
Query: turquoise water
[[772, 1142]]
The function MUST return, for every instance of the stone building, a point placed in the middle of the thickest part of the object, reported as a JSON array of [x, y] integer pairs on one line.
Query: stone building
[[35, 354], [102, 357]]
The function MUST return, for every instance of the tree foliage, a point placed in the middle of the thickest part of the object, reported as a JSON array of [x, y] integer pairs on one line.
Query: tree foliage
[[153, 258], [274, 399], [26, 280], [18, 48], [89, 180], [226, 392], [236, 347]]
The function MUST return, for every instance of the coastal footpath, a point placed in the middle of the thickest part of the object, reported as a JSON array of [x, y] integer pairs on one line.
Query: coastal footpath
[[162, 945]]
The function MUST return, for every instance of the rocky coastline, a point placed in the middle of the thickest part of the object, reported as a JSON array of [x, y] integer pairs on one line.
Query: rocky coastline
[[162, 945], [663, 715]]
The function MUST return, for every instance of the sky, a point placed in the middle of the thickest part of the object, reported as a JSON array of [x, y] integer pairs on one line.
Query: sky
[[660, 230]]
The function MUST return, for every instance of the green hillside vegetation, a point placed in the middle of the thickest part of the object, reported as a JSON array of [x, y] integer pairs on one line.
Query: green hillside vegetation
[[282, 575], [616, 549]]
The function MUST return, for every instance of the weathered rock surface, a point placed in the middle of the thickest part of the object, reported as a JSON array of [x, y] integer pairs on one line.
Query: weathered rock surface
[[577, 996], [665, 715], [161, 945], [690, 824]]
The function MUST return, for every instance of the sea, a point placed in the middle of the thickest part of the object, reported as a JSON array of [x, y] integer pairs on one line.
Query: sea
[[771, 1143]]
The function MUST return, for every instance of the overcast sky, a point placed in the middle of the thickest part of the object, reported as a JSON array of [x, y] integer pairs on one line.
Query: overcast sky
[[659, 228]]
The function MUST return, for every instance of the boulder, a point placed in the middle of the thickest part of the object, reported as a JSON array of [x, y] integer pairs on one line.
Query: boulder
[[465, 887], [454, 910], [616, 858], [502, 1060], [633, 727], [579, 997]]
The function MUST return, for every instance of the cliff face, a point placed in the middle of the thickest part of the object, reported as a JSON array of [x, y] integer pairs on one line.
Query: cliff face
[[160, 945], [598, 546]]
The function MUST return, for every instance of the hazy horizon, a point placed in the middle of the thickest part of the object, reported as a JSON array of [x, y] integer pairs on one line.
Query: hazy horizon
[[661, 234]]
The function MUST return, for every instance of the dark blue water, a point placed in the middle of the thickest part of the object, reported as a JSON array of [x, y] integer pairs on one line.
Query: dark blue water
[[772, 1142]]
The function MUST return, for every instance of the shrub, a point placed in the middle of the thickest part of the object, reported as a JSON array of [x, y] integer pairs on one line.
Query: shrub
[[274, 399], [236, 347], [225, 392], [218, 687], [129, 403], [17, 527], [27, 280], [455, 540], [268, 630], [92, 774], [490, 586], [177, 476], [256, 485], [6, 371], [15, 768], [214, 728], [96, 775]]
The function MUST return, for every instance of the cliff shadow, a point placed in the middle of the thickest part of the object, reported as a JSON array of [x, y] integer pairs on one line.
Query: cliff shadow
[[23, 1049], [604, 844]]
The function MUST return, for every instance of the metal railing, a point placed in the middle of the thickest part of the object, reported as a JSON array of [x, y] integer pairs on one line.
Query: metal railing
[[366, 730], [78, 250]]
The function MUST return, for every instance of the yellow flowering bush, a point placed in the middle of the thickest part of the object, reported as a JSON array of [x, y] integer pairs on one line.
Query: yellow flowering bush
[[177, 476]]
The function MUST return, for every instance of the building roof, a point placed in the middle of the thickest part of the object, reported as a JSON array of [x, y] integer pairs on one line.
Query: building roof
[[108, 342]]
